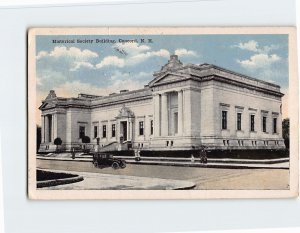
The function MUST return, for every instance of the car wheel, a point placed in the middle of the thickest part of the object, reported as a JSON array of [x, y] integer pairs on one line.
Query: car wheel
[[123, 164], [115, 165]]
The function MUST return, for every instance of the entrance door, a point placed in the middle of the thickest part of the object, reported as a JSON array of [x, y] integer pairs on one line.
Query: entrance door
[[123, 130]]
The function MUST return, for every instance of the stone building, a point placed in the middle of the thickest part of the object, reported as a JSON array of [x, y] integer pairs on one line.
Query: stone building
[[183, 107]]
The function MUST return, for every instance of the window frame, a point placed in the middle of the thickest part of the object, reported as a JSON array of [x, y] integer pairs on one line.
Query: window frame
[[151, 127], [104, 131], [141, 128], [275, 128], [264, 124], [95, 131], [80, 131], [113, 130], [252, 123], [239, 121], [224, 125]]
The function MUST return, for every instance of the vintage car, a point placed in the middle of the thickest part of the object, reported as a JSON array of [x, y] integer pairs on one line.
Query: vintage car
[[102, 160]]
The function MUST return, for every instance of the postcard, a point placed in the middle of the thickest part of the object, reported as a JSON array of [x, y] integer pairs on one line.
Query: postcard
[[162, 113]]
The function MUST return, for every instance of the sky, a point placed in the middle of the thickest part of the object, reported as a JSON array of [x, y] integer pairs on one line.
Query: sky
[[103, 68]]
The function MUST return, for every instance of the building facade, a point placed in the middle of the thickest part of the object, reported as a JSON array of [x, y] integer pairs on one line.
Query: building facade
[[183, 107]]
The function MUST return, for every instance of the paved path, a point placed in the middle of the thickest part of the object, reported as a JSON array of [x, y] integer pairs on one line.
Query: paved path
[[98, 181], [205, 178]]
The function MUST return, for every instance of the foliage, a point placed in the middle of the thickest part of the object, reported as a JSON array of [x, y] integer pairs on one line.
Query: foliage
[[86, 139], [286, 132], [38, 137], [57, 141]]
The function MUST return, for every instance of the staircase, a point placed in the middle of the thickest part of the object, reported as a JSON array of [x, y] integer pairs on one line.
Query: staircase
[[115, 146]]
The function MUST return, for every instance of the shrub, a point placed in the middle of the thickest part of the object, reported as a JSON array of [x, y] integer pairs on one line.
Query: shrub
[[57, 142]]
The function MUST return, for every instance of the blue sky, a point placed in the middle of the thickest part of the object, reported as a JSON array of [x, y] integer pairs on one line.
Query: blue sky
[[100, 68]]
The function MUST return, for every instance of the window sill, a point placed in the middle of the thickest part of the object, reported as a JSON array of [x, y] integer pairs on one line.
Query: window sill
[[225, 130], [240, 131]]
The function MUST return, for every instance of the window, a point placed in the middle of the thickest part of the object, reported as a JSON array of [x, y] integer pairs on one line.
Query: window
[[151, 127], [224, 119], [113, 130], [274, 125], [141, 128], [239, 121], [95, 131], [264, 122], [252, 123], [81, 131], [104, 131]]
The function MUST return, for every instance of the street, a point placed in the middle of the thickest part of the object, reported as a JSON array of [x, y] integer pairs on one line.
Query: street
[[205, 178]]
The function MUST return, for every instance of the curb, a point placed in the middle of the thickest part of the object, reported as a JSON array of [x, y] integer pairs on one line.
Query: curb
[[228, 166], [212, 163], [47, 183]]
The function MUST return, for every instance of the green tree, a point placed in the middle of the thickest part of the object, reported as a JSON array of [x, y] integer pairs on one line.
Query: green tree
[[57, 142], [38, 137], [286, 132]]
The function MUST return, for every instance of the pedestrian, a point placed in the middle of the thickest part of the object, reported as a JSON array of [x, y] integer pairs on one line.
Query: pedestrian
[[203, 156], [192, 158], [137, 155], [73, 153]]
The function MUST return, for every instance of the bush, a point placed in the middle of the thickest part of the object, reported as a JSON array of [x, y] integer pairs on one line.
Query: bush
[[86, 139], [57, 141]]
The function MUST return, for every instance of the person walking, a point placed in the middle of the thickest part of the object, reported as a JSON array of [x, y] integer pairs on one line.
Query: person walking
[[202, 155], [73, 153]]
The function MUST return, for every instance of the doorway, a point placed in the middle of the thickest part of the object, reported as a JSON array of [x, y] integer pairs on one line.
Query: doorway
[[123, 130]]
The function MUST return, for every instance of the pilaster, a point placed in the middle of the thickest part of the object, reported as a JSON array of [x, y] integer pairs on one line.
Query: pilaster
[[164, 115]]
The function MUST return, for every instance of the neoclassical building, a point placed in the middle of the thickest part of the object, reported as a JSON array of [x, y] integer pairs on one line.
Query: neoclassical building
[[183, 107]]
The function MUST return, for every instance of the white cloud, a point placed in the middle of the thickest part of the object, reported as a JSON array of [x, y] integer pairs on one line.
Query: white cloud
[[251, 45], [185, 52], [141, 57], [111, 61], [73, 52], [259, 61], [80, 64], [131, 59], [131, 48]]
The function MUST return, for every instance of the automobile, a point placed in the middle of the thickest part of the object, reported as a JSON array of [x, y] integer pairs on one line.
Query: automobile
[[102, 160]]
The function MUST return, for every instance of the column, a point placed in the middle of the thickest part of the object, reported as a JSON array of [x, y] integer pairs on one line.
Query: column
[[128, 130], [157, 114], [164, 115], [180, 113], [187, 103], [46, 128], [54, 131], [43, 129]]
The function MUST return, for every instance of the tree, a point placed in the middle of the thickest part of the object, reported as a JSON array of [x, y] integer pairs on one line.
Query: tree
[[286, 132], [86, 139], [57, 142], [38, 137]]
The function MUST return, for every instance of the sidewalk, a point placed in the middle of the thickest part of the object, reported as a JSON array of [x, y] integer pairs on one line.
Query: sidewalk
[[282, 163], [99, 181]]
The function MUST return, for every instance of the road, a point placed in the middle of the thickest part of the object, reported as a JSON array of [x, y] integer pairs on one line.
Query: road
[[205, 178]]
